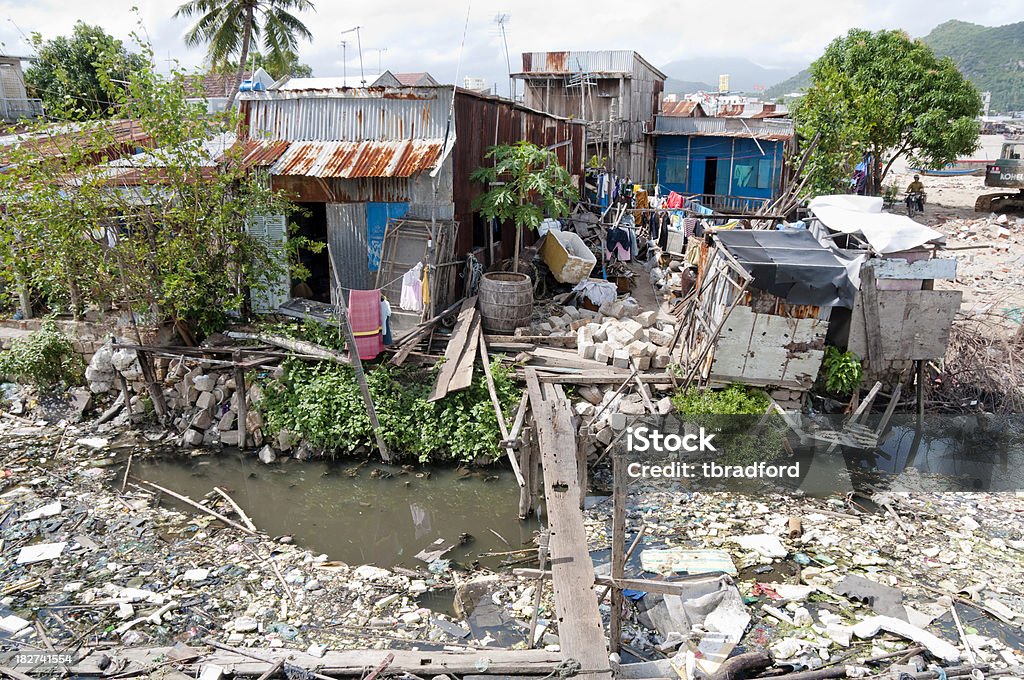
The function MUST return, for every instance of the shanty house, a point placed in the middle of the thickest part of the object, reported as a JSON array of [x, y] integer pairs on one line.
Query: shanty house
[[762, 310], [616, 91], [15, 103], [731, 163], [358, 159]]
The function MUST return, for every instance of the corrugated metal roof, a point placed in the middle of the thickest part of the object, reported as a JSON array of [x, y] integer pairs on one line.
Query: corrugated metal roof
[[776, 129], [683, 109], [356, 159]]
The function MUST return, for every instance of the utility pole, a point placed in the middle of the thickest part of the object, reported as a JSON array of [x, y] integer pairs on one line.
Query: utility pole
[[501, 20]]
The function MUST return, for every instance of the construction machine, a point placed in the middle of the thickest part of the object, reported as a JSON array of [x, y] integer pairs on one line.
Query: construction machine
[[1005, 173]]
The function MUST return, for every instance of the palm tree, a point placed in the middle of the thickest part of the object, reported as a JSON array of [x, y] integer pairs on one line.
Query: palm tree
[[229, 27]]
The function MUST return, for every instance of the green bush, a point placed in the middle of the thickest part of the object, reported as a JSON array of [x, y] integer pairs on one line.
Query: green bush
[[321, 403], [841, 371], [733, 413], [45, 358]]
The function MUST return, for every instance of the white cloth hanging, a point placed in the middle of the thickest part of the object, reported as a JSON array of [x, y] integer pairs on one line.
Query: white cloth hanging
[[412, 289]]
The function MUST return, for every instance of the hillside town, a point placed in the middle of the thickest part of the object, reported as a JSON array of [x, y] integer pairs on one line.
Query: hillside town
[[593, 368]]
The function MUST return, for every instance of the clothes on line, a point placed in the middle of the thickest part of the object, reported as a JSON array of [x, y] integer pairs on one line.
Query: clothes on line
[[385, 320], [412, 289]]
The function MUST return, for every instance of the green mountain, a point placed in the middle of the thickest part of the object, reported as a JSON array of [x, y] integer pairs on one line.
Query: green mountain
[[991, 57]]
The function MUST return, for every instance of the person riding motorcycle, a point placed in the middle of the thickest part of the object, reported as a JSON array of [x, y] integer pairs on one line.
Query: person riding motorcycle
[[915, 192]]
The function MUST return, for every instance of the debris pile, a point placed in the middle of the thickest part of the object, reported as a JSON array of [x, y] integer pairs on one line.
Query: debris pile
[[927, 575]]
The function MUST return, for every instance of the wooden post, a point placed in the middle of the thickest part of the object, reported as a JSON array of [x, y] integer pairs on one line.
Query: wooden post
[[618, 548], [872, 325], [920, 392], [156, 393], [357, 362], [242, 407]]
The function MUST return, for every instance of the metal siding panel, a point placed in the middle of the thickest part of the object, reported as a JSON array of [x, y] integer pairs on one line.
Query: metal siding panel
[[346, 234], [304, 116]]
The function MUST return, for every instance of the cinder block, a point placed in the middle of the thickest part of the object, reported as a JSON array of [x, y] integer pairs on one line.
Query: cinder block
[[647, 319], [620, 359], [659, 337]]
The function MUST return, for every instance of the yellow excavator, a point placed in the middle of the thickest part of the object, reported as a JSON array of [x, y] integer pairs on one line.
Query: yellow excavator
[[1005, 173]]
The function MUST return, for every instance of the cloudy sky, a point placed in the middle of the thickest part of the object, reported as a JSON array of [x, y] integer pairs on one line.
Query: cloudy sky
[[427, 34]]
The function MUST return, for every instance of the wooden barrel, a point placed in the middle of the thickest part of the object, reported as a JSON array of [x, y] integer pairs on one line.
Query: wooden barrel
[[505, 300]]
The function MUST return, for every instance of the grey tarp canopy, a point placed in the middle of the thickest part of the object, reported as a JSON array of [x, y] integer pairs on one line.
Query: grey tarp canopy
[[792, 265]]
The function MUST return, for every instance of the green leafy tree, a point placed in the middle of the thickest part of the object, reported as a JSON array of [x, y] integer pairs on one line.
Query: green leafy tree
[[65, 74], [161, 233], [885, 95], [277, 65], [527, 183], [230, 27]]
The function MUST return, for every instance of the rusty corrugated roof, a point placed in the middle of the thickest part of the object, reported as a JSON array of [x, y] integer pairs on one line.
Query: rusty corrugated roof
[[684, 109], [403, 158]]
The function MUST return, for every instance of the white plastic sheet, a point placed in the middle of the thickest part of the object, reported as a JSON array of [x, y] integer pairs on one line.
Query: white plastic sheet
[[884, 232]]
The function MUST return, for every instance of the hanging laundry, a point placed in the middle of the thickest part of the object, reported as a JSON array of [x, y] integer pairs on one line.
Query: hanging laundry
[[674, 200], [364, 316], [412, 289], [385, 320], [425, 289], [619, 244]]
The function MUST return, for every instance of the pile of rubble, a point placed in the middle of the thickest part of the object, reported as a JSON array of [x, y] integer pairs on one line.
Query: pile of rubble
[[203, 402], [825, 581], [618, 334]]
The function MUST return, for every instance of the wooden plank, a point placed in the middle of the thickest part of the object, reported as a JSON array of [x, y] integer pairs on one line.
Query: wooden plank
[[580, 631], [549, 340], [353, 662], [241, 409], [937, 268], [497, 409], [619, 482], [869, 309], [602, 378], [452, 354], [463, 377]]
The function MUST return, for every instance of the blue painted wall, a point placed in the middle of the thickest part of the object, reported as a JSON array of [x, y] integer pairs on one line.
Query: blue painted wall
[[755, 174]]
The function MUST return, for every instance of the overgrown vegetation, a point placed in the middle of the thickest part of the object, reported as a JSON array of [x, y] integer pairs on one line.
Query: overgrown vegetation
[[148, 213], [734, 414], [321, 404], [46, 358], [841, 372]]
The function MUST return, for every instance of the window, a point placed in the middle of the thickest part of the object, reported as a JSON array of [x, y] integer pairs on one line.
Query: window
[[752, 173]]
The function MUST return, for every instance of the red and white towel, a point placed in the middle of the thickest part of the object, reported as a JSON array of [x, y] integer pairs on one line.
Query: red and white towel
[[364, 317]]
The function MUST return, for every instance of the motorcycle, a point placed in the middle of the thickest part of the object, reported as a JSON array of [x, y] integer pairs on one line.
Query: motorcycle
[[915, 203]]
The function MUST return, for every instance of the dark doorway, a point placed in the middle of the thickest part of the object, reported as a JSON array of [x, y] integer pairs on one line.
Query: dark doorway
[[311, 221], [710, 175]]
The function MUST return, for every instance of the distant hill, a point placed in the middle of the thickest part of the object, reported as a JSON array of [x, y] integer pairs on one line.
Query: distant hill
[[991, 57], [690, 75]]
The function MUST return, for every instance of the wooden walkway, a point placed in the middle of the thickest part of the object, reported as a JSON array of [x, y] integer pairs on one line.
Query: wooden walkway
[[580, 632]]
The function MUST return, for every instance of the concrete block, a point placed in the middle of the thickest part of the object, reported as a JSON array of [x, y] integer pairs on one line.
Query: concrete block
[[578, 324], [620, 359], [592, 394], [543, 328], [201, 420], [643, 363], [605, 436], [604, 352], [557, 323], [206, 400], [598, 332], [647, 319], [192, 437], [586, 349], [572, 312], [659, 361], [659, 337], [227, 421], [204, 383], [633, 328], [632, 408], [229, 438]]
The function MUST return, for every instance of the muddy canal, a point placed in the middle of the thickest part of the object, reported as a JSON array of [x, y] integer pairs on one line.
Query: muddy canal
[[360, 513]]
